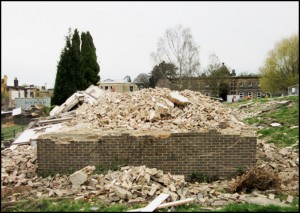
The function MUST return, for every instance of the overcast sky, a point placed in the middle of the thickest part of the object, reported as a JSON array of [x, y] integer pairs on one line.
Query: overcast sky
[[125, 34]]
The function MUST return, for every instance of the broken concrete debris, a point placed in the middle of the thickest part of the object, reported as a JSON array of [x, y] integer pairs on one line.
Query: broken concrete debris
[[157, 109]]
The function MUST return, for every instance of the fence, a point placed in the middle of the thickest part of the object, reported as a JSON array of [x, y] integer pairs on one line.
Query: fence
[[11, 134]]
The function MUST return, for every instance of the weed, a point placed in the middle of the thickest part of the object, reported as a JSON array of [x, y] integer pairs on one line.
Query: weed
[[202, 177], [240, 170], [99, 169]]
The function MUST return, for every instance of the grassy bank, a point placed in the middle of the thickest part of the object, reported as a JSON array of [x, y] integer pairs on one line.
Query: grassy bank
[[67, 205], [271, 111]]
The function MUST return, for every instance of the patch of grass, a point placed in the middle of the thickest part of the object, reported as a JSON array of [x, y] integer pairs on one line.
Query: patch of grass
[[240, 170], [256, 208], [287, 116], [202, 177], [8, 132], [99, 169], [66, 205], [281, 136]]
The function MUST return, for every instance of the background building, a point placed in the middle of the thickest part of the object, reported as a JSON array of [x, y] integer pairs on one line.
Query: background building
[[118, 86]]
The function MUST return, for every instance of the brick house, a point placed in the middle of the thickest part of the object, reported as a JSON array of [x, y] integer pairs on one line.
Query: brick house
[[242, 86]]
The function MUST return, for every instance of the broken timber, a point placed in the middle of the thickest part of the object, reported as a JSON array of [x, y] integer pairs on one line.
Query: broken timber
[[166, 205]]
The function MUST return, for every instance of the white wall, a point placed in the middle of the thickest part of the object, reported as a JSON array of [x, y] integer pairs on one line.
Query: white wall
[[229, 98]]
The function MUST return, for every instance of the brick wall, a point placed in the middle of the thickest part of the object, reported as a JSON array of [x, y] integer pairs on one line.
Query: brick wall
[[182, 153]]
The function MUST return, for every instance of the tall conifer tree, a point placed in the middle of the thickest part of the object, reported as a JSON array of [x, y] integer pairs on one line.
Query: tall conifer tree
[[89, 62]]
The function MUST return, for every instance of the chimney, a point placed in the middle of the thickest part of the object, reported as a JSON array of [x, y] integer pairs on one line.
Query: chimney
[[233, 72], [16, 82], [222, 63]]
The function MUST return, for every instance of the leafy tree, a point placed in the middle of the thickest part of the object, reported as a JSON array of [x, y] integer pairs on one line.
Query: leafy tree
[[89, 64], [281, 67], [178, 47], [143, 78], [163, 70]]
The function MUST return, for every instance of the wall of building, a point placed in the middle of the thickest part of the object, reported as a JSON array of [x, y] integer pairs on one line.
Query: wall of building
[[181, 153], [118, 87], [24, 103]]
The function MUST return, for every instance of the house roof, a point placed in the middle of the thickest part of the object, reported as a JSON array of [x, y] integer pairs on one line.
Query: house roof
[[115, 81]]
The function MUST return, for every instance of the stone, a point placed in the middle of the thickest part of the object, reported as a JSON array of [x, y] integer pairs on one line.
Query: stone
[[271, 196], [217, 203], [121, 193], [290, 199], [78, 178], [176, 98], [263, 201]]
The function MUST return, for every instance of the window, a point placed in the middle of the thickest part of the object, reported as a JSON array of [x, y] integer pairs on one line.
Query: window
[[241, 84], [131, 88], [250, 84], [31, 94], [111, 87], [250, 94], [241, 94], [106, 87], [101, 87], [233, 92], [258, 94]]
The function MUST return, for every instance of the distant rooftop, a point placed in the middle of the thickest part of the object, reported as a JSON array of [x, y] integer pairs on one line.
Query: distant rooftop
[[114, 81]]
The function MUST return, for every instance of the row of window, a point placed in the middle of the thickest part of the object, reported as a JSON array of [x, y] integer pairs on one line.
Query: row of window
[[233, 85], [241, 94], [250, 94], [113, 88]]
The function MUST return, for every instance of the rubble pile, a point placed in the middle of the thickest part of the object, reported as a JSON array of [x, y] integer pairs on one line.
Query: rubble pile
[[156, 109], [132, 184], [282, 161]]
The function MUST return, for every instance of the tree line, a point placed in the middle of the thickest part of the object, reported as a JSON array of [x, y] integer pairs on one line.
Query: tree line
[[176, 57]]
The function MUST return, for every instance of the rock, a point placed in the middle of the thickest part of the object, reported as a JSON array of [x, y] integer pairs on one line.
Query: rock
[[78, 178], [262, 201], [122, 193], [271, 196], [217, 203], [275, 124], [176, 98], [290, 199]]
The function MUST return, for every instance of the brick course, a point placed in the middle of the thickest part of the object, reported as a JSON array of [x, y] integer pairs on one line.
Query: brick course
[[182, 153]]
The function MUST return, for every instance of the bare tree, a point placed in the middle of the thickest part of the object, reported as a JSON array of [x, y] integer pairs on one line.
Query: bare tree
[[178, 47], [142, 78]]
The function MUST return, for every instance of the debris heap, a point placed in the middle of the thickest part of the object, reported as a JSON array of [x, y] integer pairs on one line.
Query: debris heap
[[276, 168], [156, 109]]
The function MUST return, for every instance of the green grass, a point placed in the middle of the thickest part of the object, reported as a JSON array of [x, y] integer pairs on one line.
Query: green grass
[[287, 116], [8, 131], [67, 205], [243, 207]]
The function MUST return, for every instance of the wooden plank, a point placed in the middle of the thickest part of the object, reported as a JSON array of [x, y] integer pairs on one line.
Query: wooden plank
[[175, 203], [155, 203], [166, 205]]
